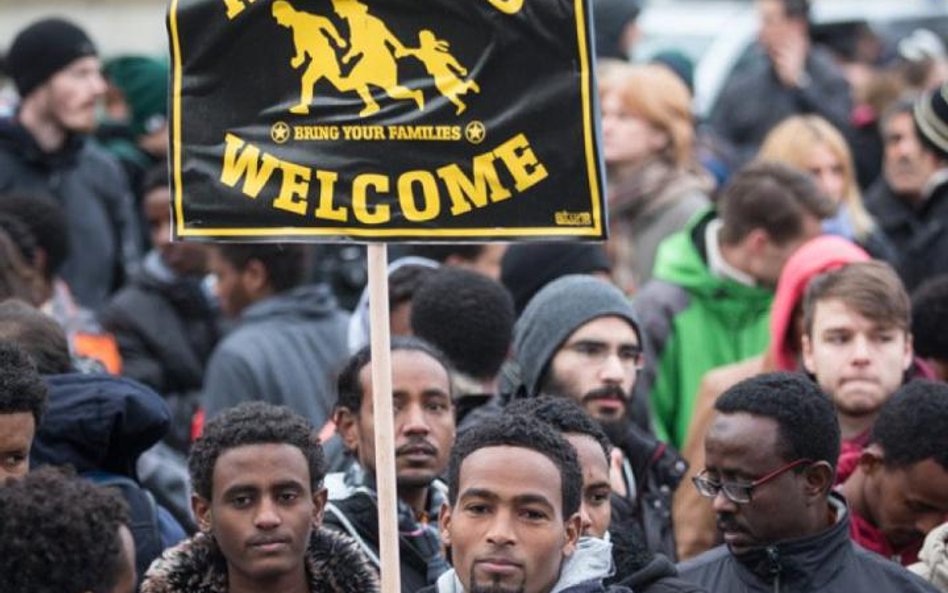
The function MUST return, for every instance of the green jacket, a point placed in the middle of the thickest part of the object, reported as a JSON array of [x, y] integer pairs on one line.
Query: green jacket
[[693, 322]]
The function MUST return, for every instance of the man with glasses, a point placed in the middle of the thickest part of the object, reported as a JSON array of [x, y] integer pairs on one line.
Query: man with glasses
[[771, 460], [579, 338]]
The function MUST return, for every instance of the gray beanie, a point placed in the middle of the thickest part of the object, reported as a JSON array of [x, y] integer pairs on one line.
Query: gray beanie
[[559, 309]]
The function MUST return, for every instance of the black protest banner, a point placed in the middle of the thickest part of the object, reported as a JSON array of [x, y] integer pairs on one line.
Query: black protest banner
[[384, 120]]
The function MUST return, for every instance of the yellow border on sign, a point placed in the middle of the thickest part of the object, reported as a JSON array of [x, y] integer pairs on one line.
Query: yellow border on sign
[[591, 169], [176, 119]]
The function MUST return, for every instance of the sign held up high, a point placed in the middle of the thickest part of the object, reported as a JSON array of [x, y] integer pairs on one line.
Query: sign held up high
[[384, 120]]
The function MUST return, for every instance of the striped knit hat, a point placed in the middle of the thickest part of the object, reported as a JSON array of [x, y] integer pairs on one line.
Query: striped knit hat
[[931, 119]]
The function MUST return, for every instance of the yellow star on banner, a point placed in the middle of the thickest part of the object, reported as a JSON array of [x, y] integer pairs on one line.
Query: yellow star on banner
[[475, 132], [280, 132]]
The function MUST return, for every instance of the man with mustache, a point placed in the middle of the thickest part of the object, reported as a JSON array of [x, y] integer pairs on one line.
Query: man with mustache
[[899, 489], [910, 199], [424, 434], [257, 472], [512, 522], [770, 462], [857, 343], [45, 146], [579, 338]]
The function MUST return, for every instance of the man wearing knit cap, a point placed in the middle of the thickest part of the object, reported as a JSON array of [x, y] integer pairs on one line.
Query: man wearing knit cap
[[923, 252], [44, 146], [579, 338]]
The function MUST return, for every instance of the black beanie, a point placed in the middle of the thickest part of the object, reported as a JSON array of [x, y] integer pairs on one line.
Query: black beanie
[[528, 267], [43, 49]]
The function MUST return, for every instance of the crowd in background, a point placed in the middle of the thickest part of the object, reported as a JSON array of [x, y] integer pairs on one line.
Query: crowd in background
[[744, 388]]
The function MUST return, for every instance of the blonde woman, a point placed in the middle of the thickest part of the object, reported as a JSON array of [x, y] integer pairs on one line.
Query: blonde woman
[[655, 184], [812, 144]]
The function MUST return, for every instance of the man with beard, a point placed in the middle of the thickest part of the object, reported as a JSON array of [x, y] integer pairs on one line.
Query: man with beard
[[44, 146], [512, 521], [771, 456], [899, 490], [857, 343], [424, 434], [579, 338]]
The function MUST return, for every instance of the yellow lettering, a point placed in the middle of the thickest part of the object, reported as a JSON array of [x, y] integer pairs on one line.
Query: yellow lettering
[[521, 161], [379, 214], [326, 210], [235, 7], [464, 191], [246, 164], [429, 194], [507, 6], [294, 188]]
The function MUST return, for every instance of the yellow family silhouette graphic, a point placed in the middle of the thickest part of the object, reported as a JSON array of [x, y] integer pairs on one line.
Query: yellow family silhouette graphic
[[376, 52]]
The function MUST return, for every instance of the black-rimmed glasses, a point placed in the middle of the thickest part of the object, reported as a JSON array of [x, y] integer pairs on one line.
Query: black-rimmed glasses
[[739, 492]]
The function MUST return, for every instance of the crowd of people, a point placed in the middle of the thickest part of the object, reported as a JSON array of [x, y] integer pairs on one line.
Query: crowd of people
[[744, 389]]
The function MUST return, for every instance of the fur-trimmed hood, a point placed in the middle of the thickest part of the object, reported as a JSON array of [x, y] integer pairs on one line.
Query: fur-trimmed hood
[[334, 563]]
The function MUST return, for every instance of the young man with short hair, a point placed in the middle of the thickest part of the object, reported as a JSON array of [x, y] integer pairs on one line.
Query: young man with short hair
[[857, 342], [288, 339], [257, 473], [512, 521], [22, 405], [63, 534], [424, 434], [898, 490], [605, 515], [771, 459], [708, 303]]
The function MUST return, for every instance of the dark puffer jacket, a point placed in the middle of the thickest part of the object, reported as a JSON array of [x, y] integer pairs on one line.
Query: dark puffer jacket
[[334, 564]]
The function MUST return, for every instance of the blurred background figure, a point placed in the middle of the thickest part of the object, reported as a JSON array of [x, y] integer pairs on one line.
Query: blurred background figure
[[655, 184], [811, 144]]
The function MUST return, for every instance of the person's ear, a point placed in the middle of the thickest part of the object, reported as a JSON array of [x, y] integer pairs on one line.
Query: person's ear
[[574, 528], [806, 353], [872, 459], [819, 479], [444, 524], [909, 354], [319, 506], [255, 278], [347, 426], [201, 508]]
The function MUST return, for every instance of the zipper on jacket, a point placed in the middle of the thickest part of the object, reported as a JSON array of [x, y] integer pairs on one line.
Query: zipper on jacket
[[773, 557]]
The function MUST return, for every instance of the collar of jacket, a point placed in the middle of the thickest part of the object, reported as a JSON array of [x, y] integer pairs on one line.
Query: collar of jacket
[[809, 561], [334, 564]]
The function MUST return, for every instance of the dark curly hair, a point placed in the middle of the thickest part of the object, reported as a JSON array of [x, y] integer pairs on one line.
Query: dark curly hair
[[286, 263], [564, 415], [21, 387], [46, 221], [60, 534], [527, 433], [930, 318], [913, 425], [348, 387], [253, 423], [806, 419], [468, 316]]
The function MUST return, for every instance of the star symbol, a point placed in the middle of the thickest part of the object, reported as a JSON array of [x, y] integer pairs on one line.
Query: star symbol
[[280, 132], [475, 132]]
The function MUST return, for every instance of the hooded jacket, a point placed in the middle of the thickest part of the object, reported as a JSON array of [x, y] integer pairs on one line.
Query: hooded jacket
[[93, 191], [828, 562], [284, 350], [693, 517], [166, 328], [100, 425], [334, 564], [582, 572], [693, 321]]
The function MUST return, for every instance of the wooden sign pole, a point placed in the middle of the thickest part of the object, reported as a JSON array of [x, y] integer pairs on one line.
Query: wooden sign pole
[[383, 417]]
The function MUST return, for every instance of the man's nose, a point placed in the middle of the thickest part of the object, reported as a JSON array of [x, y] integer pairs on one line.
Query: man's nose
[[413, 420], [500, 532], [267, 516], [611, 369]]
